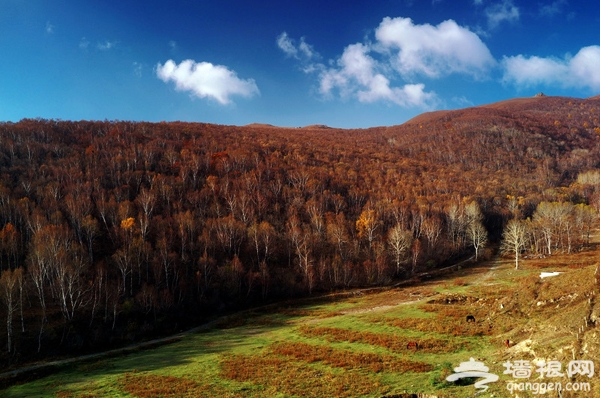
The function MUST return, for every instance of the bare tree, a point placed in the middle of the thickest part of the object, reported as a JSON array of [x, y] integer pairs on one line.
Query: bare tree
[[400, 242], [261, 236], [432, 228], [300, 239], [473, 213], [551, 218], [585, 217], [314, 208], [477, 235], [457, 223], [38, 270], [337, 233], [8, 290], [146, 199], [367, 224], [230, 233], [515, 238]]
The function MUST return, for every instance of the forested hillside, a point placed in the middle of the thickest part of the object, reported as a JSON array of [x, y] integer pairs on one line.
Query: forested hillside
[[115, 231]]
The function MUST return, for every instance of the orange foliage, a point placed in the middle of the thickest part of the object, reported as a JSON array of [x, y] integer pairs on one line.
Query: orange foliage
[[349, 359], [127, 223], [125, 206], [389, 341]]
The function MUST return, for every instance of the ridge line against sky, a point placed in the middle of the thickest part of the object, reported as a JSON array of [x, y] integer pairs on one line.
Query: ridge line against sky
[[289, 63]]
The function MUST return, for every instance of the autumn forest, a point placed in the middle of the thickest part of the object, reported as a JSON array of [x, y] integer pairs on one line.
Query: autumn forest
[[114, 231]]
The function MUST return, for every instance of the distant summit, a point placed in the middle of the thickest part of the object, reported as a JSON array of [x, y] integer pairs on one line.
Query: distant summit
[[261, 125], [539, 106], [270, 126], [316, 126]]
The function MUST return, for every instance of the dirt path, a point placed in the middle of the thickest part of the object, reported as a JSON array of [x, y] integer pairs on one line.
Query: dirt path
[[378, 308], [489, 274]]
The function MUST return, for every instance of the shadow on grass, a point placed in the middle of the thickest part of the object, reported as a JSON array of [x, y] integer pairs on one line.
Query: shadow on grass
[[238, 331]]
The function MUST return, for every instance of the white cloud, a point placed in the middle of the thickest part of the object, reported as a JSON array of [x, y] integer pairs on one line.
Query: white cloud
[[306, 49], [500, 12], [357, 76], [533, 70], [578, 71], [84, 43], [303, 51], [204, 79], [402, 52], [462, 101], [585, 67], [137, 69], [434, 50], [49, 28], [106, 45], [550, 10], [285, 44]]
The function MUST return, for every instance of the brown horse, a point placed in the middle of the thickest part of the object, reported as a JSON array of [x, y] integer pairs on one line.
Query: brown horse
[[412, 344]]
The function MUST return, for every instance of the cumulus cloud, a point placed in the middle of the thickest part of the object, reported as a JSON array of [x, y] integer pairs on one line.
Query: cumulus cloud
[[523, 70], [585, 67], [500, 12], [434, 50], [578, 71], [356, 75], [403, 51], [206, 80]]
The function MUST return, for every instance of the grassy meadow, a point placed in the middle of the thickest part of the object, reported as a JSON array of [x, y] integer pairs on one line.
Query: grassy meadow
[[355, 344]]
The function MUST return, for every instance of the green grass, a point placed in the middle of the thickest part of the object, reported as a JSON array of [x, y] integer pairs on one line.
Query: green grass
[[353, 346]]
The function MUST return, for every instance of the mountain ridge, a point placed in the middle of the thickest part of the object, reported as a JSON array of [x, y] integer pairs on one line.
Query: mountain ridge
[[519, 104], [511, 108]]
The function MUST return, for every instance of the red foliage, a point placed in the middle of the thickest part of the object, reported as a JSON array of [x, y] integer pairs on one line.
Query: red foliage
[[197, 195]]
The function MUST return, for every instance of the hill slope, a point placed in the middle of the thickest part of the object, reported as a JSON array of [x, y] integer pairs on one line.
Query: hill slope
[[357, 344], [121, 231]]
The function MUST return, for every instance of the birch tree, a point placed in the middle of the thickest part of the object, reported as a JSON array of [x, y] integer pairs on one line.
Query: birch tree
[[515, 238], [366, 225], [8, 290], [477, 235], [400, 242]]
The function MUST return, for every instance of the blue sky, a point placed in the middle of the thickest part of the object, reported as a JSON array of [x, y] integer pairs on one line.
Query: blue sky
[[288, 62]]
